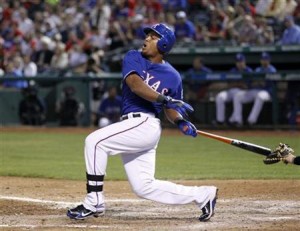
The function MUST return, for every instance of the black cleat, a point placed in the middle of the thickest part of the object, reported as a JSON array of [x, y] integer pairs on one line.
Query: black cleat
[[208, 209], [80, 213]]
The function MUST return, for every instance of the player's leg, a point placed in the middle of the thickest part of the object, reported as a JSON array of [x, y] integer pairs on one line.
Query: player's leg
[[129, 136], [260, 97], [221, 99], [140, 169], [238, 97]]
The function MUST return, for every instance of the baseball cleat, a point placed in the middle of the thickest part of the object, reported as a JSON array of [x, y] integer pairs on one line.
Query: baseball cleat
[[80, 213], [208, 209]]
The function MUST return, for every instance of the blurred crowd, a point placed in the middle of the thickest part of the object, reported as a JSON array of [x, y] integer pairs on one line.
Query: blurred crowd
[[72, 36]]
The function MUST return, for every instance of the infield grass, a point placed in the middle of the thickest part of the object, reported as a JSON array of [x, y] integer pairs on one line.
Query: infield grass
[[60, 155]]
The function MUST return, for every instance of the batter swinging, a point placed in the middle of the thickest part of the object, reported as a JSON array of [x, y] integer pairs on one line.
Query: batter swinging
[[150, 85]]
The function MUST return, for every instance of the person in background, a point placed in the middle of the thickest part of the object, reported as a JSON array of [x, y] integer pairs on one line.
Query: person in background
[[265, 64], [69, 108], [30, 68], [258, 92], [14, 69], [193, 75], [110, 108], [232, 89], [291, 159], [291, 34], [184, 28], [32, 109]]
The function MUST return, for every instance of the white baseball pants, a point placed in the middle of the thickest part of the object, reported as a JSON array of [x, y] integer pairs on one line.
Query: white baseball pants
[[222, 98], [136, 139], [259, 97]]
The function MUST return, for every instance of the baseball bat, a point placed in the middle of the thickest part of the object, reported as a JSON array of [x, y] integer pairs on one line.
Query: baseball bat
[[238, 143]]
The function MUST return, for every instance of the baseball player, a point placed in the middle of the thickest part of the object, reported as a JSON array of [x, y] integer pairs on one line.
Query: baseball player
[[150, 84], [258, 92], [292, 159], [234, 87], [283, 152]]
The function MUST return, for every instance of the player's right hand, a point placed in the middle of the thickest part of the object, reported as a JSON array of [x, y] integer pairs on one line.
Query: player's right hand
[[187, 128], [178, 105]]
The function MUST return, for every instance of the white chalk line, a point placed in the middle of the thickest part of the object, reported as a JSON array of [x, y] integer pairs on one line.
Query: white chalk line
[[56, 226], [64, 203]]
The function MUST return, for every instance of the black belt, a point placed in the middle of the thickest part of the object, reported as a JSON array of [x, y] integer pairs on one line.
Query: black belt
[[134, 115]]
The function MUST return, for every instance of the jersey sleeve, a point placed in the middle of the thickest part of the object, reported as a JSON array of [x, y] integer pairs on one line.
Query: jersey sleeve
[[179, 92], [131, 64]]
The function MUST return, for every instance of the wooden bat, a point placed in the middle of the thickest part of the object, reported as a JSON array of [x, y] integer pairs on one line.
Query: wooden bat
[[238, 143]]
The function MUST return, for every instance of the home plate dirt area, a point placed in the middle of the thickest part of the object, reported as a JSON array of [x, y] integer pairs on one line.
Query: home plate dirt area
[[41, 204]]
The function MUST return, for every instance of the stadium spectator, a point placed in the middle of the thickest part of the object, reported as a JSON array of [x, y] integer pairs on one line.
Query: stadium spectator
[[170, 20], [232, 89], [117, 36], [290, 6], [275, 9], [137, 29], [292, 102], [184, 28], [247, 34], [110, 108], [14, 69], [59, 60], [262, 7], [77, 58], [215, 31], [69, 108], [25, 24], [296, 13], [201, 33], [258, 92], [32, 109], [97, 24], [265, 33], [291, 34], [30, 68], [43, 56]]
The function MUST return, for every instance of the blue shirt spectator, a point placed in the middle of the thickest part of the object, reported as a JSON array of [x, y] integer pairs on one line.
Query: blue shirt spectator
[[13, 72], [291, 35], [184, 28]]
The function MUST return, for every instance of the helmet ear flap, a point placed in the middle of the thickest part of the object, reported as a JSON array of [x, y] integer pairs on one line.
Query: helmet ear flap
[[162, 44]]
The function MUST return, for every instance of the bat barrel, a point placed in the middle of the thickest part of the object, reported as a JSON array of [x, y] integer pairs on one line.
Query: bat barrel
[[251, 147]]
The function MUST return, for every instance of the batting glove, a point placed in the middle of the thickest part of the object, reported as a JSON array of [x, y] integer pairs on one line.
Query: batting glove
[[187, 128], [178, 105]]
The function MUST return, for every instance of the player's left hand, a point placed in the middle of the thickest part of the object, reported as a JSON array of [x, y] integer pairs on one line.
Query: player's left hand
[[181, 107], [187, 128]]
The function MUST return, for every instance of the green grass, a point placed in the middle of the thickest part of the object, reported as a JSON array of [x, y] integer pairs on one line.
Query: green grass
[[178, 157]]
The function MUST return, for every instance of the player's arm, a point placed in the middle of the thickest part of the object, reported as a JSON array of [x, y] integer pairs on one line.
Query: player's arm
[[172, 115], [137, 86], [186, 127]]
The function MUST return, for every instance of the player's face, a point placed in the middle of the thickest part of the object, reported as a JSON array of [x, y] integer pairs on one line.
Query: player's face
[[150, 44]]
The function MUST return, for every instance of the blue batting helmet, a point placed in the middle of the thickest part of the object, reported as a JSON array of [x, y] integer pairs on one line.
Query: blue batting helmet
[[167, 37]]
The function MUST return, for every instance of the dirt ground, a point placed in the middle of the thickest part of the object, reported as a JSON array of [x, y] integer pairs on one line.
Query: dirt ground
[[41, 204]]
